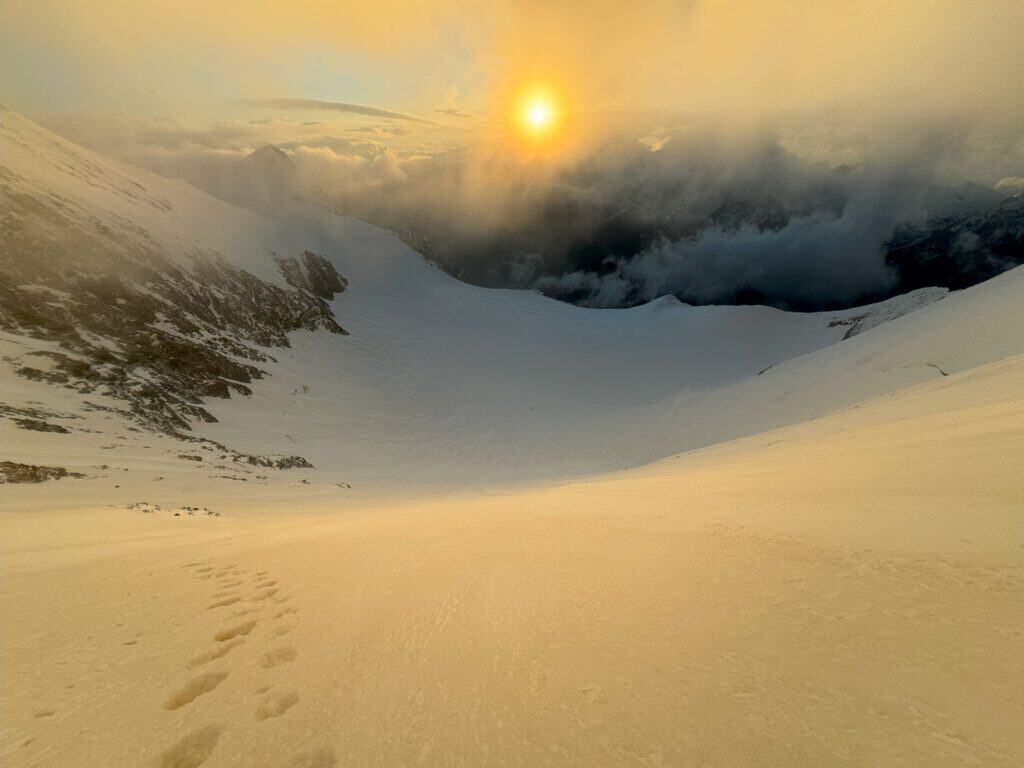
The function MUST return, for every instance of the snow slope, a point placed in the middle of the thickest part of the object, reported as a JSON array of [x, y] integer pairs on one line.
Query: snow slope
[[843, 592]]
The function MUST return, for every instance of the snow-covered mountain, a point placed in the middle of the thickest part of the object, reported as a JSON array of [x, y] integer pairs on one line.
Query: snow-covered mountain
[[152, 332]]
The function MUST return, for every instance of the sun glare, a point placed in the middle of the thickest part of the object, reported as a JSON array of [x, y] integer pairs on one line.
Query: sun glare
[[538, 114]]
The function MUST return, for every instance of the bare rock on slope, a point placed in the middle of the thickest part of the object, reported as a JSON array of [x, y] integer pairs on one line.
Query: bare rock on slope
[[13, 472]]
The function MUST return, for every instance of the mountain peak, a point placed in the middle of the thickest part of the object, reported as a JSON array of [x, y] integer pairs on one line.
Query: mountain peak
[[269, 156], [268, 177]]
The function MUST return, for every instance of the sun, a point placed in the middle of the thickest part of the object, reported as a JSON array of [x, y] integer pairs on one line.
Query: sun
[[538, 114]]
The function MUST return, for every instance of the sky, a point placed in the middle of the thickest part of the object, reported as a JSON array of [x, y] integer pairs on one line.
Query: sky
[[415, 56]]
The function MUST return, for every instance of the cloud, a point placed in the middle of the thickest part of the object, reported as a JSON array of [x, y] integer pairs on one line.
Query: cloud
[[812, 262], [719, 213], [1012, 183], [343, 159], [333, 106]]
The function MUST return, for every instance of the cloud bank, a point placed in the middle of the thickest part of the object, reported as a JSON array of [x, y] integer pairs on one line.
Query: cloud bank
[[304, 105]]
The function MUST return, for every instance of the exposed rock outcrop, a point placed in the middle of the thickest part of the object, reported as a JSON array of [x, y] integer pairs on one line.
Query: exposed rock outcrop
[[13, 472]]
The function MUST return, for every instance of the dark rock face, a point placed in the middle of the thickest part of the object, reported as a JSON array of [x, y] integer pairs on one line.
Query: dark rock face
[[132, 323], [12, 472], [958, 252], [313, 274], [288, 462]]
